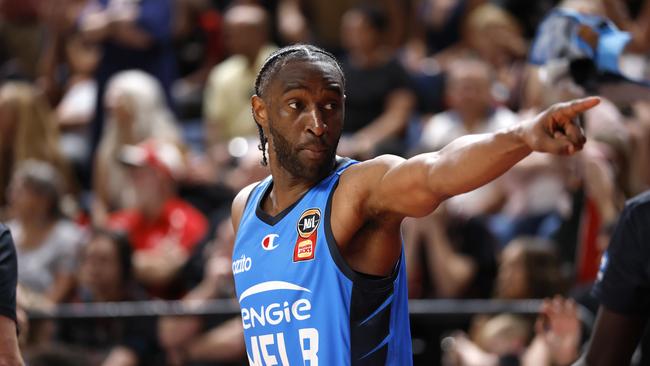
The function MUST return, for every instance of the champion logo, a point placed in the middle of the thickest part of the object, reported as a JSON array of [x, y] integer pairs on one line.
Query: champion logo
[[268, 243]]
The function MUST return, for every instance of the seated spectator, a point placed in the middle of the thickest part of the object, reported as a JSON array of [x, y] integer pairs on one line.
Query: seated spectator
[[27, 131], [136, 111], [106, 275], [379, 97], [162, 228], [472, 110], [77, 106], [191, 339], [131, 35], [556, 339], [226, 103], [46, 243], [529, 269], [453, 255]]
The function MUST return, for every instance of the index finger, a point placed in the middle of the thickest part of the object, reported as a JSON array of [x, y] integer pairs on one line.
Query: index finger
[[578, 106]]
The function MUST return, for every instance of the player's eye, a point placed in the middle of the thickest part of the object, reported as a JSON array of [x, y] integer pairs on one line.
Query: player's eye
[[294, 105], [329, 106]]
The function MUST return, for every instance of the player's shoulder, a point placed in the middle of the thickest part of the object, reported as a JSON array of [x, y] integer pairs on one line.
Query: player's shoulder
[[239, 203], [375, 167], [637, 209], [360, 179]]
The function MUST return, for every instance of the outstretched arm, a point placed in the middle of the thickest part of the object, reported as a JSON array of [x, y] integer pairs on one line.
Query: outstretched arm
[[468, 162]]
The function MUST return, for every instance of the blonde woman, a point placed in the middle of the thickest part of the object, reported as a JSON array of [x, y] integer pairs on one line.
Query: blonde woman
[[135, 111], [27, 131]]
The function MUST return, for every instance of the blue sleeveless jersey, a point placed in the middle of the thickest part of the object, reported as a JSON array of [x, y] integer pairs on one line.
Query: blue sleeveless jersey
[[301, 304]]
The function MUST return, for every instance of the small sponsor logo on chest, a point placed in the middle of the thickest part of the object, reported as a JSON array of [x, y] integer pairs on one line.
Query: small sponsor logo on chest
[[269, 243], [305, 247], [243, 264]]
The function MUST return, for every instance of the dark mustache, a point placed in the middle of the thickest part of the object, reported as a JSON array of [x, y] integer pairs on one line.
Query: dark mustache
[[315, 143]]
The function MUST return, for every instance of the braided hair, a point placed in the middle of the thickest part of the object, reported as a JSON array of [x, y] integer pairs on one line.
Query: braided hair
[[275, 62]]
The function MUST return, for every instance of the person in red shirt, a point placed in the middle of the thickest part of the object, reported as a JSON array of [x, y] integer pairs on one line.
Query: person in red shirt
[[162, 228]]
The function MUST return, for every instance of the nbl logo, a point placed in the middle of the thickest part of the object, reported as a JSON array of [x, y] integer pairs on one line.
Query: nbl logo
[[305, 247], [308, 223]]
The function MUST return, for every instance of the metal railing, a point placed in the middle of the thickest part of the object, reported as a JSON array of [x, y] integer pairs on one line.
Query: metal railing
[[422, 309]]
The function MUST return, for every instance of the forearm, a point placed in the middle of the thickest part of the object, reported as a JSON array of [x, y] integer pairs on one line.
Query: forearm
[[153, 270], [224, 343], [474, 160]]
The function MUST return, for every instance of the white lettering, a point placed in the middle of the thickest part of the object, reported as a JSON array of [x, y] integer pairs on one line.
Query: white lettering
[[283, 350], [273, 317], [259, 316], [265, 341], [276, 313], [242, 264], [256, 361], [263, 345], [302, 305], [245, 316], [309, 352]]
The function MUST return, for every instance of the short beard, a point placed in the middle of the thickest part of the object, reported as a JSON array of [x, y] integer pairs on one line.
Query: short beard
[[287, 156]]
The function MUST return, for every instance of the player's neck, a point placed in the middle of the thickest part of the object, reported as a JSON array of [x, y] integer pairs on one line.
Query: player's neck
[[287, 189]]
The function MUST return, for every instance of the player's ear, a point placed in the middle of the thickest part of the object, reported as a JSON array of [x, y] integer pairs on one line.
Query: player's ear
[[259, 110]]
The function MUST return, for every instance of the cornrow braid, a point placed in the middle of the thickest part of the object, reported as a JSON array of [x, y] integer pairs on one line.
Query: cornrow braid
[[274, 62]]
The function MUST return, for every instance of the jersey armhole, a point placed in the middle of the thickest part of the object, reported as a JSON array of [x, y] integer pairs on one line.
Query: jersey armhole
[[363, 280]]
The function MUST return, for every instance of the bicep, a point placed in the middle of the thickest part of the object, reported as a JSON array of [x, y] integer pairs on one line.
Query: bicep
[[401, 187]]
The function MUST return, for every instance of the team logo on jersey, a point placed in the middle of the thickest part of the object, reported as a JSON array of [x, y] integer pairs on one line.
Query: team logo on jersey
[[268, 243], [308, 222]]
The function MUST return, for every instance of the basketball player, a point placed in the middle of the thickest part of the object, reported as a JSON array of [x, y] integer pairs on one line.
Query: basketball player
[[623, 288], [318, 260]]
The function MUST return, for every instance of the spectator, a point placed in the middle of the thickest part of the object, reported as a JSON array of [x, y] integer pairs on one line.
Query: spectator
[[379, 98], [198, 43], [226, 103], [136, 111], [529, 269], [456, 255], [46, 243], [556, 339], [195, 339], [131, 35], [318, 22], [9, 352], [20, 37], [77, 106], [472, 109], [106, 275], [162, 228], [27, 131]]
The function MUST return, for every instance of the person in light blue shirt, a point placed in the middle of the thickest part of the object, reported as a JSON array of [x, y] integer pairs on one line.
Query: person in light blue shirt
[[318, 260]]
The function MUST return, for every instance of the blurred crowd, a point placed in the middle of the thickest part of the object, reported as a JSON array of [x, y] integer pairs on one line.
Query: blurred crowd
[[126, 130]]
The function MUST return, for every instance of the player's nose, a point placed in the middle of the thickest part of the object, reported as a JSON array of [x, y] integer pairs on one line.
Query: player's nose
[[315, 123]]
